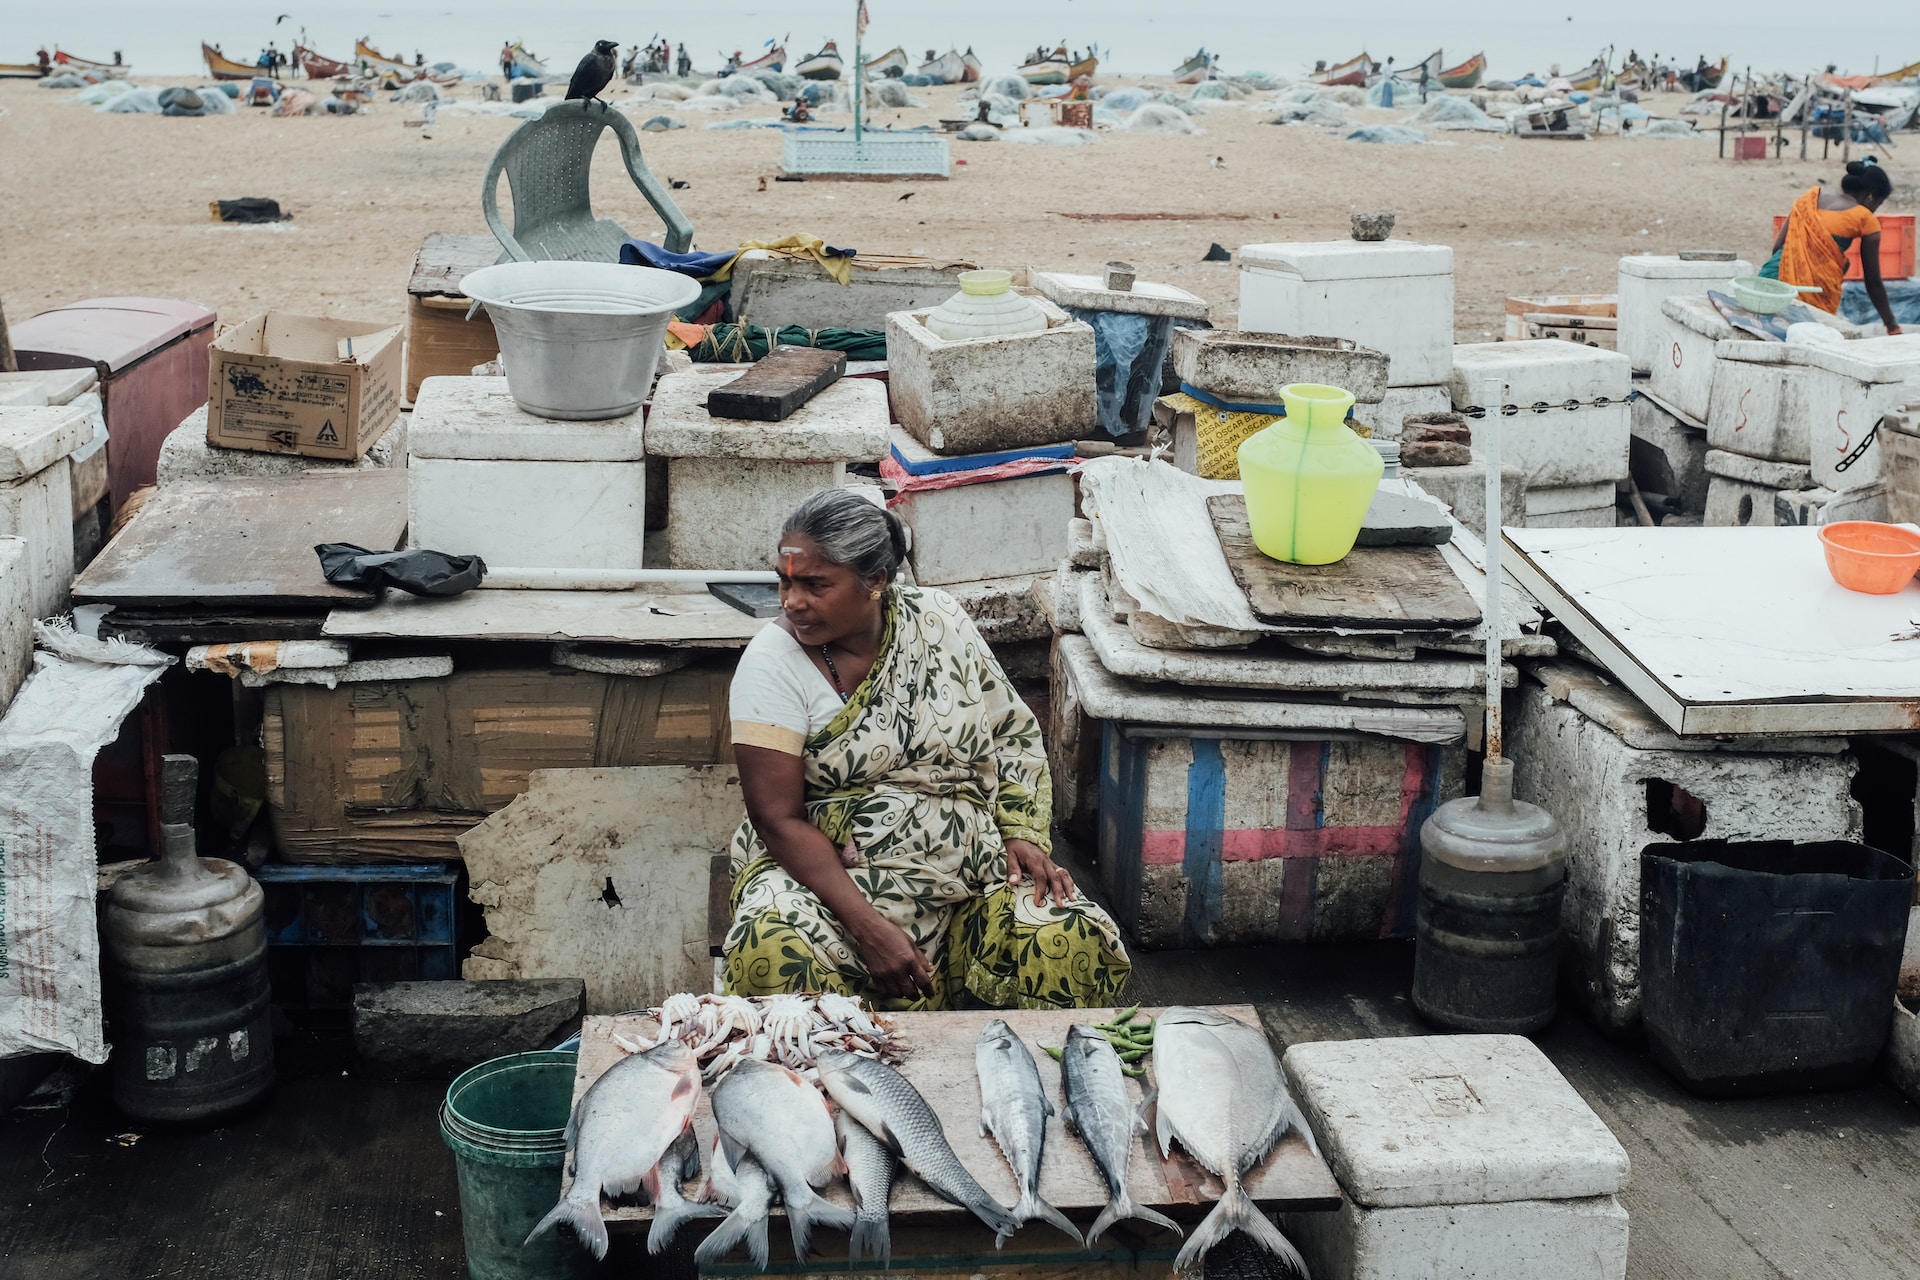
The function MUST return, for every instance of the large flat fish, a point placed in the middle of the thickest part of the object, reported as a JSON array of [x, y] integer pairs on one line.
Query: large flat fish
[[671, 1209], [1014, 1109], [619, 1129], [1260, 1071], [893, 1111], [1205, 1103], [779, 1119], [1099, 1110], [870, 1170], [739, 1183]]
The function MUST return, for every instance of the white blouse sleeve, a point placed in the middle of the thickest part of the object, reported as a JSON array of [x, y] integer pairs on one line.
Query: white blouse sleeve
[[769, 703]]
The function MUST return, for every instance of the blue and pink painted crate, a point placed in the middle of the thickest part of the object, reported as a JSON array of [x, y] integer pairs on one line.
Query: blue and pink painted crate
[[1218, 841]]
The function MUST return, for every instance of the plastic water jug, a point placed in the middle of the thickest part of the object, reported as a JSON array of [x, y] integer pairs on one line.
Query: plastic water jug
[[1309, 478]]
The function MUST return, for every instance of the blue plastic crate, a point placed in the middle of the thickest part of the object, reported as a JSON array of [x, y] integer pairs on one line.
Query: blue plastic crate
[[329, 927]]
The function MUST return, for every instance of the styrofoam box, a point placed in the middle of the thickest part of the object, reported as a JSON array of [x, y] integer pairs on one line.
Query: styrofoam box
[[487, 478], [1606, 517], [1387, 418], [1008, 391], [994, 529], [1850, 387], [1555, 446], [1690, 330], [727, 513], [16, 617], [1391, 295], [1584, 1239], [1648, 280], [1759, 404], [1557, 499], [36, 495]]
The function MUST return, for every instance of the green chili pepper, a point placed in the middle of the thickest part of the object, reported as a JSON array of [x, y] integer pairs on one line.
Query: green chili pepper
[[1051, 1052], [1132, 1055], [1135, 1072], [1127, 1016]]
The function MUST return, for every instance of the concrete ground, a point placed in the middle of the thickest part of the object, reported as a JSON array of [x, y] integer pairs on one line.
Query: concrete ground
[[338, 1177]]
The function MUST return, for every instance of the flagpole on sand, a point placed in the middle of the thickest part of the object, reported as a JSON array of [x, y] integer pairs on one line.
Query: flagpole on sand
[[859, 67]]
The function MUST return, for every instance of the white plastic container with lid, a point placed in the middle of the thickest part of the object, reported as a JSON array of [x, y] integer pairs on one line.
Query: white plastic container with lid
[[1849, 388], [1571, 425], [1646, 281], [1393, 296], [1690, 329], [1759, 405]]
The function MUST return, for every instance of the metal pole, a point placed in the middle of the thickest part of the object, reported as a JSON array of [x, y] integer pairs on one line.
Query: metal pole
[[1806, 114], [1723, 128], [1846, 130], [859, 76], [1493, 394]]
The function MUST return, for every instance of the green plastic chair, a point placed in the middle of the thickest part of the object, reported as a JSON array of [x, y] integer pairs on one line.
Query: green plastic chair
[[547, 162]]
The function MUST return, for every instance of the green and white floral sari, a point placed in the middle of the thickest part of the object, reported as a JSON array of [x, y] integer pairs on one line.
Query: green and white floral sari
[[931, 765]]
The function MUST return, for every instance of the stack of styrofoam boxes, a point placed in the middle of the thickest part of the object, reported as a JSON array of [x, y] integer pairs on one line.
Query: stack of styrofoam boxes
[[1757, 431], [1850, 387], [487, 478], [92, 513], [1668, 459], [1392, 295], [1691, 330], [36, 494], [1598, 759], [1647, 281], [969, 404], [1570, 429], [1459, 1156], [1251, 368], [731, 483]]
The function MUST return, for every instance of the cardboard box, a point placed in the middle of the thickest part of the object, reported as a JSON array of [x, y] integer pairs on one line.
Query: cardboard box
[[283, 383]]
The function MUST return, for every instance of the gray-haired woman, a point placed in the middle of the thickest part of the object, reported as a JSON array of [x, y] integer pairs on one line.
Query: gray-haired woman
[[898, 805]]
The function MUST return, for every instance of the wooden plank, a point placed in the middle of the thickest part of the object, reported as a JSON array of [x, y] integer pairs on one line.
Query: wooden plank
[[778, 384], [1373, 588], [192, 626], [247, 541], [677, 618], [941, 1067], [445, 259]]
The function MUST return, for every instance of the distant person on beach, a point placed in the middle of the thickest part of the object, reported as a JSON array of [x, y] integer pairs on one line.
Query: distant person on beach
[[506, 62], [1811, 248], [686, 62], [799, 113]]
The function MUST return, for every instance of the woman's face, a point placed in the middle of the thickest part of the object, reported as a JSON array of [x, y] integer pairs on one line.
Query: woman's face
[[824, 602]]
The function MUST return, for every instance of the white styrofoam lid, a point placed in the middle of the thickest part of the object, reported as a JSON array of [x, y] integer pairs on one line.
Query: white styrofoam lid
[[1090, 293], [1698, 314], [33, 439], [1350, 259], [847, 422], [477, 418], [1893, 359], [1435, 1120], [1742, 349], [1543, 369], [1665, 266]]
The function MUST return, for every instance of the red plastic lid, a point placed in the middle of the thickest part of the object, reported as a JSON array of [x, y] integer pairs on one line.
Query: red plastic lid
[[116, 332]]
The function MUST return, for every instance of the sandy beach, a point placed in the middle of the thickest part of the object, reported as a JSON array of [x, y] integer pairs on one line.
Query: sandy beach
[[100, 204]]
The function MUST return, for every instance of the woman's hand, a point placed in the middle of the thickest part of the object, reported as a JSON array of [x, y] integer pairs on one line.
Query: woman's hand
[[899, 970], [1026, 861]]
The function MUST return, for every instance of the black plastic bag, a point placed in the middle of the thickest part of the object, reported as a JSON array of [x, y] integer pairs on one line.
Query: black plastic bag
[[417, 572]]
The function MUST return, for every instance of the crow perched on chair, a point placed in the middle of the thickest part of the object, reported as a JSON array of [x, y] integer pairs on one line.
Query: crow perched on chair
[[595, 72]]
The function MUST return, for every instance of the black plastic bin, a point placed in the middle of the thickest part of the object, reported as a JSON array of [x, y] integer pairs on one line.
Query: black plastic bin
[[1769, 965]]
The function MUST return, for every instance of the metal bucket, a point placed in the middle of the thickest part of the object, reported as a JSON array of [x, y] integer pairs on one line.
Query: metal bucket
[[579, 339]]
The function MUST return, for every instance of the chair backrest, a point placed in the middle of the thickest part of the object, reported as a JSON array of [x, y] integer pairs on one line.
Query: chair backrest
[[548, 162]]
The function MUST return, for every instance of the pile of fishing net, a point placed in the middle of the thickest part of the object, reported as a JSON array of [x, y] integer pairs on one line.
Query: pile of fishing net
[[1324, 112], [1392, 134], [1157, 117], [107, 90], [978, 133], [737, 89], [66, 80], [1457, 113], [418, 91], [1009, 87], [1054, 137], [890, 93], [781, 85], [1666, 129]]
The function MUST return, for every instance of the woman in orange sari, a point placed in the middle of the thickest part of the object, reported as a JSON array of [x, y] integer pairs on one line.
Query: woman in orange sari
[[1811, 248]]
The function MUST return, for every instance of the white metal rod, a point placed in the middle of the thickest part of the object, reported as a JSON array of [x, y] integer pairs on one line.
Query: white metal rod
[[515, 579], [1493, 395]]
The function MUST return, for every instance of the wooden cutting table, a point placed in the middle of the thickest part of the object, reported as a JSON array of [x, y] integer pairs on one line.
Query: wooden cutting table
[[932, 1237]]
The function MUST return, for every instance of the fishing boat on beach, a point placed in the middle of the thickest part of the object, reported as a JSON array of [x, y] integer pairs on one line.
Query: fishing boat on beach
[[974, 68], [526, 66], [1589, 77], [773, 59], [949, 68], [370, 61], [1046, 68], [116, 69], [824, 65], [1354, 71], [21, 71], [1465, 76], [1410, 74], [1195, 69], [221, 67], [317, 66], [890, 65]]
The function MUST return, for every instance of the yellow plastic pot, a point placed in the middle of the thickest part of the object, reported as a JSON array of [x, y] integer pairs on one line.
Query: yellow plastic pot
[[1309, 478]]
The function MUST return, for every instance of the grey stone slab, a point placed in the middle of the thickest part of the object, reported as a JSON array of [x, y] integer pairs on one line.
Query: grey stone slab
[[1396, 520], [424, 1027]]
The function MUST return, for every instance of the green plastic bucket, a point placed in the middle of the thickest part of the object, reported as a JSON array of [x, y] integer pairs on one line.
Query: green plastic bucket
[[505, 1121]]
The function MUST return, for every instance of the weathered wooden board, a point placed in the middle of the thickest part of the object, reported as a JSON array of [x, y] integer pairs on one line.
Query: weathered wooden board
[[247, 541], [1374, 588], [778, 383], [444, 261], [667, 617], [941, 1067]]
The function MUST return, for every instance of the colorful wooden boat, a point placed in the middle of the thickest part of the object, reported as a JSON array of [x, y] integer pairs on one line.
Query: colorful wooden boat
[[317, 67], [1050, 69], [1085, 67], [1465, 76], [525, 65], [1711, 78], [772, 60], [948, 68], [221, 67], [117, 70], [370, 61], [1908, 72], [892, 64], [824, 65], [1353, 71], [974, 68], [1591, 76], [1411, 74], [1194, 69], [21, 71]]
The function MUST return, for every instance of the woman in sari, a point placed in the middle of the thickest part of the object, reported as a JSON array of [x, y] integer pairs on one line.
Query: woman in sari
[[897, 840], [1811, 248]]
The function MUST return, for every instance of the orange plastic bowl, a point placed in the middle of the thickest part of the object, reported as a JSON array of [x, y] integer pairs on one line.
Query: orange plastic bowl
[[1865, 555]]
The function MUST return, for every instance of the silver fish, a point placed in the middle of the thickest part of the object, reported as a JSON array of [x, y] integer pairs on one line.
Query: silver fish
[[1014, 1109], [746, 1189], [893, 1111], [1260, 1071], [1099, 1110], [783, 1123], [619, 1129], [870, 1170], [1207, 1103], [672, 1210]]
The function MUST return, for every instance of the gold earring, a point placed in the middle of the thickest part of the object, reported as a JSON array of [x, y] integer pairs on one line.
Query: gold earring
[[874, 596]]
